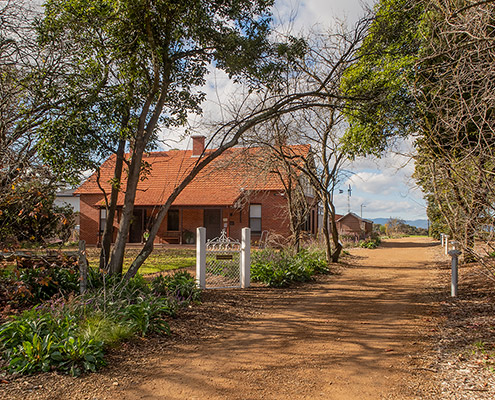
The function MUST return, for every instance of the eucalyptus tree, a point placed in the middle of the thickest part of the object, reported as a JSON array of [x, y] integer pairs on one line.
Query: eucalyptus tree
[[455, 85], [429, 65], [144, 64], [140, 66], [381, 104]]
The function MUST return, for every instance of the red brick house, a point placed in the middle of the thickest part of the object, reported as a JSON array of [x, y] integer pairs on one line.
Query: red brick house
[[230, 193], [353, 225]]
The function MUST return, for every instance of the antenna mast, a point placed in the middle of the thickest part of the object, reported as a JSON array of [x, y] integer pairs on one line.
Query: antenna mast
[[349, 192]]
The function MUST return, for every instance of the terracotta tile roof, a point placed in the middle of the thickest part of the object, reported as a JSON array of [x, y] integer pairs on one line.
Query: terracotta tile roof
[[220, 183]]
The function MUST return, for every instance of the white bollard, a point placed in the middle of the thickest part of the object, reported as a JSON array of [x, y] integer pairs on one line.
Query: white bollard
[[446, 240], [441, 238], [201, 257], [246, 258]]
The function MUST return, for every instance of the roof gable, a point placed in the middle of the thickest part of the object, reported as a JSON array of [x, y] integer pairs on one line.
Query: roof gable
[[352, 215]]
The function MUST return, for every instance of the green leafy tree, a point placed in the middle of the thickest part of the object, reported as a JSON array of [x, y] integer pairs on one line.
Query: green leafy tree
[[381, 105], [456, 147], [30, 81], [153, 56], [28, 213], [437, 70]]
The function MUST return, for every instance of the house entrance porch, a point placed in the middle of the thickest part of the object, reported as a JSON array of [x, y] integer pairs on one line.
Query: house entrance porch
[[180, 223]]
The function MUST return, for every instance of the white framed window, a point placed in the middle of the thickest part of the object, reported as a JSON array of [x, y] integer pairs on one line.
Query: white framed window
[[255, 217]]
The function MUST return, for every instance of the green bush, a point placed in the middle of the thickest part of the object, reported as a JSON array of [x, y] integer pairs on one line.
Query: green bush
[[102, 328], [180, 285], [146, 315], [71, 335], [76, 355], [40, 279], [278, 269], [370, 243], [37, 340], [126, 308]]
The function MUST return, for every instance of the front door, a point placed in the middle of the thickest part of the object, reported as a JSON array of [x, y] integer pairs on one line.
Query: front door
[[213, 223], [136, 230]]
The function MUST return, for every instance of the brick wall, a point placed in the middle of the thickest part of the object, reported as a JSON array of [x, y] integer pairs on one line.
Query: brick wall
[[90, 218], [192, 218], [350, 225], [274, 215], [274, 218]]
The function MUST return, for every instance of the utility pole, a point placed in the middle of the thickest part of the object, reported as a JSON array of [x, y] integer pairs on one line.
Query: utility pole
[[349, 192]]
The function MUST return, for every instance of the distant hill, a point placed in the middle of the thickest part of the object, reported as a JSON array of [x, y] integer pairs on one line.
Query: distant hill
[[418, 223]]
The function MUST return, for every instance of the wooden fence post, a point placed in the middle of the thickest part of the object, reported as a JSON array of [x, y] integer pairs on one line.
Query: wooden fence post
[[83, 267]]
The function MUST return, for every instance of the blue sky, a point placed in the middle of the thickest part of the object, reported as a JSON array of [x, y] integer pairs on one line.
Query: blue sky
[[384, 187]]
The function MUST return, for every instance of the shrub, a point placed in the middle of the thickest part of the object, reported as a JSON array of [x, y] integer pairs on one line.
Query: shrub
[[42, 279], [277, 269], [71, 334], [104, 329], [146, 315], [180, 285], [75, 355], [370, 243], [37, 340]]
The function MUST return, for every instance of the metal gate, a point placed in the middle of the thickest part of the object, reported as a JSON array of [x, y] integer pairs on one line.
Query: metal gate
[[223, 262]]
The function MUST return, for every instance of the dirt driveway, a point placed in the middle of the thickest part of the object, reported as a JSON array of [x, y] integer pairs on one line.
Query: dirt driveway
[[356, 335]]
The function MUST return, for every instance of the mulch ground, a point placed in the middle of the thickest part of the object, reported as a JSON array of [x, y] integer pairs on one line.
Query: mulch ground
[[465, 338]]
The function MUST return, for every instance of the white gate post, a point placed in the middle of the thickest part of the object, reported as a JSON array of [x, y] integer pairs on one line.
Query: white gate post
[[246, 258], [201, 257]]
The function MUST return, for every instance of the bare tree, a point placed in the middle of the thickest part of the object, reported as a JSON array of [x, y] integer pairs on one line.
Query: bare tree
[[319, 126]]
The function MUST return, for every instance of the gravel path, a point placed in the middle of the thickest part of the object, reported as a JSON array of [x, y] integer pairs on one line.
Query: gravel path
[[353, 336]]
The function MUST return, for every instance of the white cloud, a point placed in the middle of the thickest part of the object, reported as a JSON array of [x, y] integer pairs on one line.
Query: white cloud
[[374, 183], [298, 15]]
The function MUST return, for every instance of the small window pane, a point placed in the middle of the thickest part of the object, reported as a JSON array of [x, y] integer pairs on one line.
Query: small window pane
[[255, 224], [255, 211]]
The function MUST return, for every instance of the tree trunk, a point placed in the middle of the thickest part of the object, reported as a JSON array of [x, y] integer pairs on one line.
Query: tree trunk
[[112, 207], [326, 233], [469, 256], [335, 236], [117, 259]]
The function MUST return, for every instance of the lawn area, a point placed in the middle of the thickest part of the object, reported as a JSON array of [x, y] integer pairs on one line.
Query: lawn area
[[160, 260]]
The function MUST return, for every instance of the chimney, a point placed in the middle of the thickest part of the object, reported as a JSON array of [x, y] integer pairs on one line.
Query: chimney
[[198, 145]]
